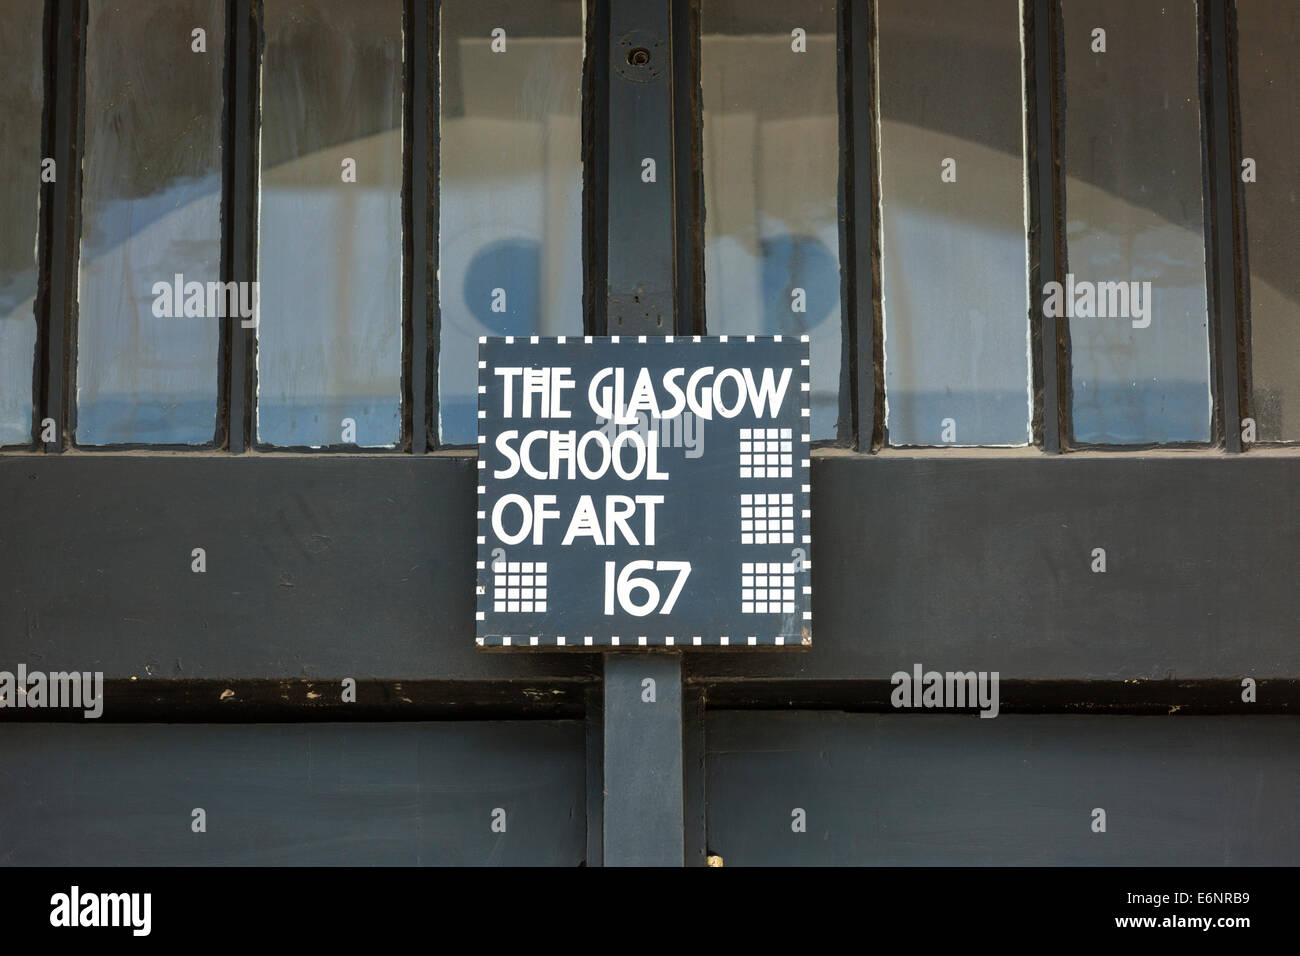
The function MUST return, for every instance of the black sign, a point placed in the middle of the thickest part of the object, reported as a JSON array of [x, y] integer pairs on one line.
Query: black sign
[[643, 492]]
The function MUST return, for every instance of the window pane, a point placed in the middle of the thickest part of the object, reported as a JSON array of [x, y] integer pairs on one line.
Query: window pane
[[1133, 215], [151, 212], [954, 245], [330, 249], [1268, 32], [21, 96], [510, 200], [771, 180]]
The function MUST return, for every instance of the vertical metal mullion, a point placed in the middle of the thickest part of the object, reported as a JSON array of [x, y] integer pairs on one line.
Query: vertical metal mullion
[[694, 792], [63, 223], [687, 168], [416, 245], [859, 224], [644, 810], [433, 213], [1044, 205], [595, 226], [643, 813], [244, 59], [594, 722], [641, 243], [595, 170], [45, 217], [1223, 225]]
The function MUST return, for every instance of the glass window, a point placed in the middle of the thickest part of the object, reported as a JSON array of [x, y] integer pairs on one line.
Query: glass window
[[510, 186], [21, 97], [771, 141], [1268, 77], [148, 337], [954, 243], [1135, 297], [329, 336]]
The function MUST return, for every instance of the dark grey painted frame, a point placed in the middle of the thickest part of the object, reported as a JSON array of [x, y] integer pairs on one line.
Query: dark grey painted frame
[[267, 514]]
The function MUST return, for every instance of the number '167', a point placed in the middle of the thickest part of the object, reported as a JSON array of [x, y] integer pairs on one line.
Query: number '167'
[[627, 582]]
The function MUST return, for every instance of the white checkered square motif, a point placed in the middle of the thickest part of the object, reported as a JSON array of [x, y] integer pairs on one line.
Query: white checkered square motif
[[766, 453], [518, 587], [767, 519], [767, 588]]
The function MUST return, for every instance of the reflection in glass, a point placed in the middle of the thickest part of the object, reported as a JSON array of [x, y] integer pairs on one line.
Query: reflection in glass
[[954, 245], [1268, 32], [1133, 214], [151, 210], [771, 181], [510, 186], [21, 96], [330, 245]]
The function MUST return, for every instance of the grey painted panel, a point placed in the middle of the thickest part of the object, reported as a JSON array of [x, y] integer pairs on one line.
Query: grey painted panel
[[1014, 790], [322, 794], [332, 566], [325, 566], [985, 564]]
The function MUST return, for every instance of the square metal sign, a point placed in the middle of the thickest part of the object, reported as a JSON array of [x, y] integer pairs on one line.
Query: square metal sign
[[643, 491]]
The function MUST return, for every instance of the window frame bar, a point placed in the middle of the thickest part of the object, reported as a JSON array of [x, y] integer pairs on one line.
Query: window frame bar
[[1043, 60], [1223, 201]]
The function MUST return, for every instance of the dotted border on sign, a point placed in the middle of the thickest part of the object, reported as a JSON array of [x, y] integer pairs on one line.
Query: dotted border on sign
[[695, 640]]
